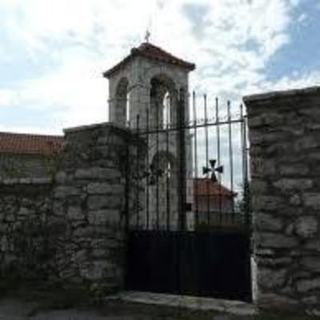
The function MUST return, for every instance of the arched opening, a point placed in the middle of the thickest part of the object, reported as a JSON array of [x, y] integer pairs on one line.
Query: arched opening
[[166, 110], [162, 95], [163, 191], [122, 98], [128, 110]]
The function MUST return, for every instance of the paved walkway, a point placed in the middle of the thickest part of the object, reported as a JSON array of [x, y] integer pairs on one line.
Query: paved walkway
[[11, 309], [238, 308]]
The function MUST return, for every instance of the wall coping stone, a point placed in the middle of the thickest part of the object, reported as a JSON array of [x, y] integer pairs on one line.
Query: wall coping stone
[[282, 94], [97, 126]]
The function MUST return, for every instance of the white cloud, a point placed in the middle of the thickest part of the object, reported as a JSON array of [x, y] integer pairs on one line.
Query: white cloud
[[302, 18], [8, 98], [83, 38], [295, 3]]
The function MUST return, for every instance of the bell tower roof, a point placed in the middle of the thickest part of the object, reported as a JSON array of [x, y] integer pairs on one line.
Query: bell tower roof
[[152, 52]]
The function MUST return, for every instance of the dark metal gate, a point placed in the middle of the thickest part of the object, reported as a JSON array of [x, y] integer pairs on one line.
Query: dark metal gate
[[188, 201]]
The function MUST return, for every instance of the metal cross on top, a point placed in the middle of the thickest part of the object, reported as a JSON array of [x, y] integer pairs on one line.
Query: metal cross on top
[[147, 36]]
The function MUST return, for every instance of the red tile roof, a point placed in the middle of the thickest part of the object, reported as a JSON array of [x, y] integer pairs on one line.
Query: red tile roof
[[205, 187], [152, 52], [20, 143]]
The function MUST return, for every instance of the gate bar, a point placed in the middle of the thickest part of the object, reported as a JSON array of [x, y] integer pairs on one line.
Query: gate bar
[[230, 155], [207, 155], [182, 162], [195, 182]]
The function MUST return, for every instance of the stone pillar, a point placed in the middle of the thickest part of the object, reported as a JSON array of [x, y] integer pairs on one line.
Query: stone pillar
[[89, 200], [284, 133]]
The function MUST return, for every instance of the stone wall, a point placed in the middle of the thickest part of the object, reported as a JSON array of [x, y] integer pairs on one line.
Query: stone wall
[[284, 133], [89, 198], [72, 229], [25, 207], [14, 166]]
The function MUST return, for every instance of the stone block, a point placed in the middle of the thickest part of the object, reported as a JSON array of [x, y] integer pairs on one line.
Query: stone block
[[312, 200], [58, 207], [105, 188], [305, 143], [293, 170], [295, 200], [314, 312], [267, 222], [261, 167], [310, 300], [306, 227], [287, 184], [9, 217], [24, 211], [274, 261], [80, 255], [267, 202], [65, 191], [306, 285], [101, 217], [275, 240], [271, 278], [98, 253], [83, 232], [75, 213], [4, 245], [311, 263], [95, 270], [96, 202], [61, 177], [97, 173], [276, 301], [313, 244], [259, 186], [264, 252]]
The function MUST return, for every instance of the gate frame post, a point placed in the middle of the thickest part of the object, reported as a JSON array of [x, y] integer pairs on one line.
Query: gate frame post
[[182, 185]]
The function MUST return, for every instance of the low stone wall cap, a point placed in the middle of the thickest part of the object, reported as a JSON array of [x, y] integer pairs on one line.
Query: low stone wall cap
[[282, 94], [95, 126]]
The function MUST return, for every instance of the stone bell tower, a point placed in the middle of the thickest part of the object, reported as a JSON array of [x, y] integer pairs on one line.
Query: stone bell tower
[[153, 84]]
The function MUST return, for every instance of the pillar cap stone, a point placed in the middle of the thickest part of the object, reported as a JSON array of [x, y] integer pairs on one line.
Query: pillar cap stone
[[281, 94]]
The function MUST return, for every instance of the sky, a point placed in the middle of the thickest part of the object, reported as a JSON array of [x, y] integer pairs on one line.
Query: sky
[[53, 53]]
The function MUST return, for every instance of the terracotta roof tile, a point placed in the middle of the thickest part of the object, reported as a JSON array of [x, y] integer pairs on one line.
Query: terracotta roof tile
[[152, 52], [20, 143], [205, 187]]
